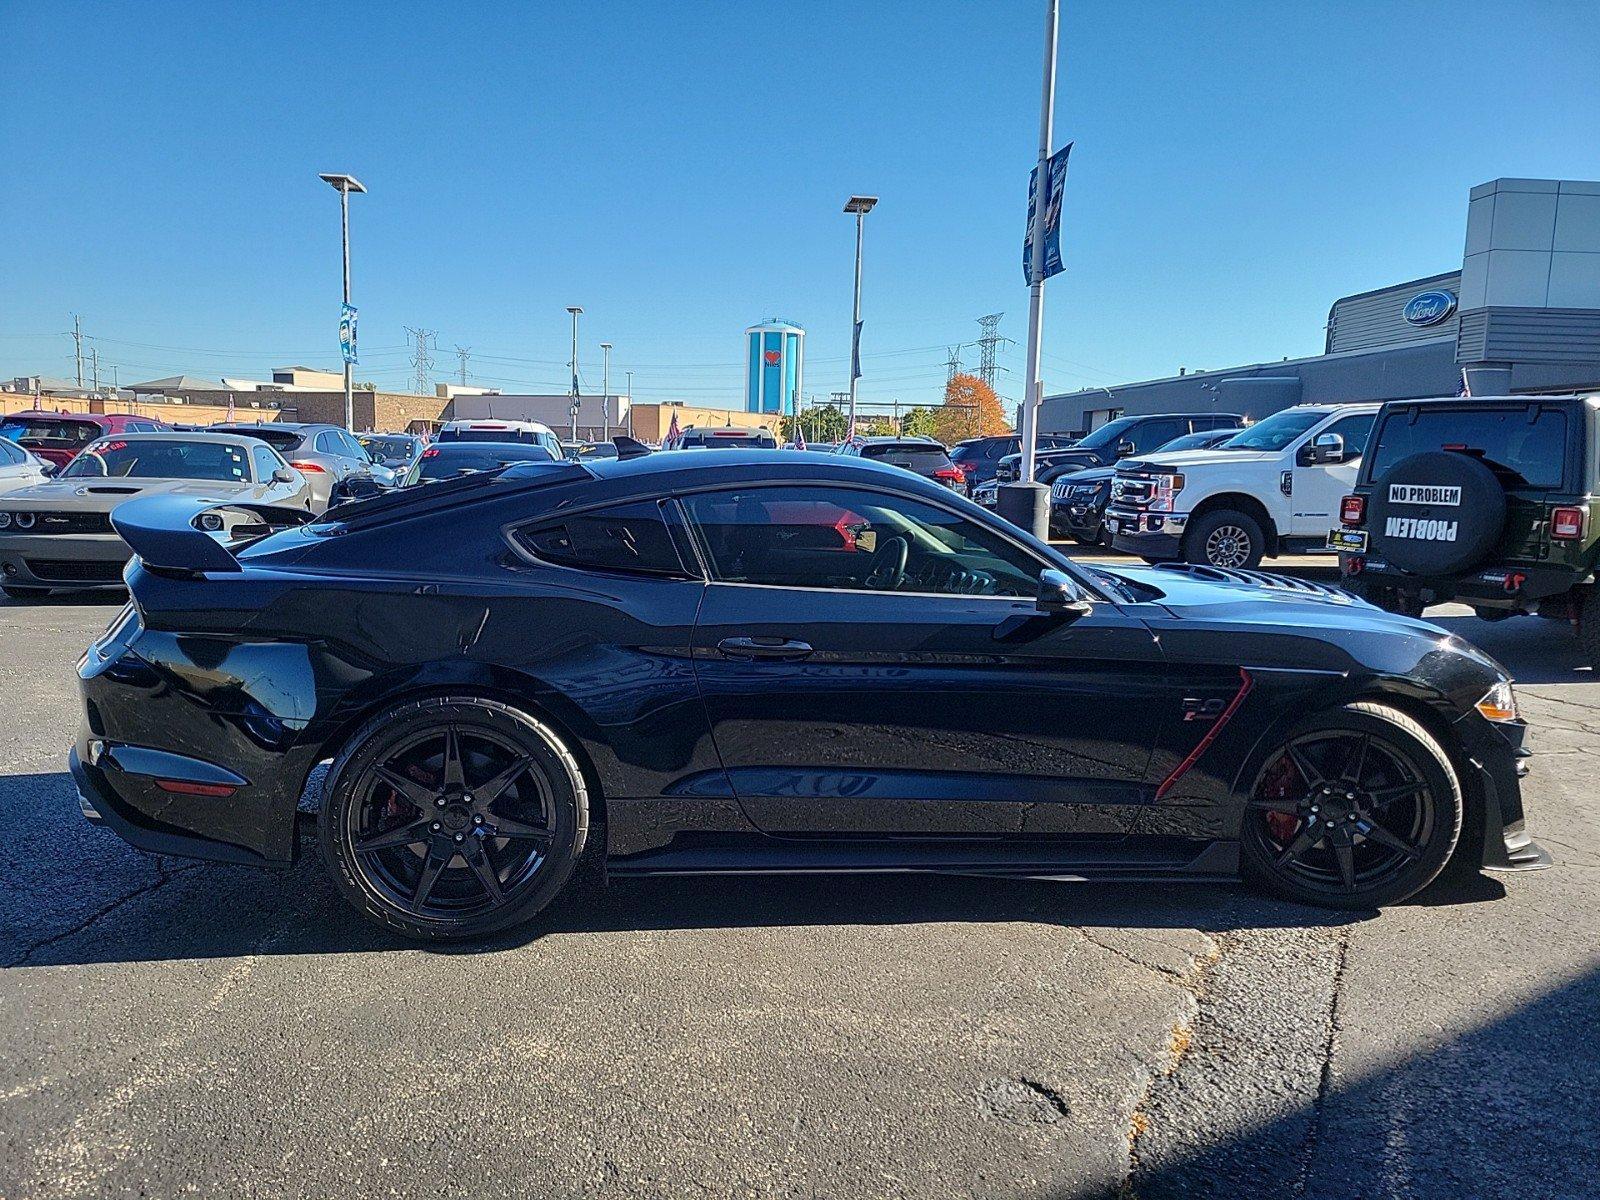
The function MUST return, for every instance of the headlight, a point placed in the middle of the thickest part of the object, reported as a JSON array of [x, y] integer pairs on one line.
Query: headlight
[[25, 520], [5, 520], [1165, 488], [211, 522], [1500, 704]]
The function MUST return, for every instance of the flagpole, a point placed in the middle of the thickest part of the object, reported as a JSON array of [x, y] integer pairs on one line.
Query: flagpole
[[1041, 197]]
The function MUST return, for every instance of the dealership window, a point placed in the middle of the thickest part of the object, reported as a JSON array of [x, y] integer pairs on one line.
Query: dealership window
[[854, 539], [627, 537]]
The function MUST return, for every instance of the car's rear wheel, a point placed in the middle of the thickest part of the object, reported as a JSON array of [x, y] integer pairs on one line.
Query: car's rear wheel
[[1225, 537], [1358, 808], [1588, 607], [453, 817]]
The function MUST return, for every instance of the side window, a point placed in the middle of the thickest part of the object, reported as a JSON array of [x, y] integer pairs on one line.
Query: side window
[[266, 462], [324, 443], [849, 539], [1150, 434], [351, 447], [1355, 431], [627, 537], [10, 453]]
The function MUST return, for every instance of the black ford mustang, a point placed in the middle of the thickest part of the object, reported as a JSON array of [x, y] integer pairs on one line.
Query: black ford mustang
[[759, 661]]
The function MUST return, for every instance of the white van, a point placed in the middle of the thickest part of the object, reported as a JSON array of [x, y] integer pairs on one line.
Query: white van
[[487, 429]]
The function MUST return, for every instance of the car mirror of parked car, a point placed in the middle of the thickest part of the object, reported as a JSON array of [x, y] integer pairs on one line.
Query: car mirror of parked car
[[1059, 595], [1329, 448], [283, 475], [1125, 448]]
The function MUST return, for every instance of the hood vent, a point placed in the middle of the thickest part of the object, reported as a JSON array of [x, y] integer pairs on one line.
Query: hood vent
[[1260, 579], [104, 490]]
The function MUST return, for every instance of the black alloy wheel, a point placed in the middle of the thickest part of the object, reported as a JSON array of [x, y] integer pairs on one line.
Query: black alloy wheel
[[454, 817], [1358, 808]]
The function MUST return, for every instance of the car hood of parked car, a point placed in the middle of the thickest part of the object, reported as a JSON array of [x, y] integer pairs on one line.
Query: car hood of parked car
[[1088, 475], [1179, 460], [102, 495]]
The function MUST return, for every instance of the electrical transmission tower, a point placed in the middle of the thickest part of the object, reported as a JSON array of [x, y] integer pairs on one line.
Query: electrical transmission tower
[[952, 364], [422, 357], [463, 353], [988, 344]]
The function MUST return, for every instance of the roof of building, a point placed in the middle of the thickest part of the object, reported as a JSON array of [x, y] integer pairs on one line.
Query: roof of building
[[191, 383]]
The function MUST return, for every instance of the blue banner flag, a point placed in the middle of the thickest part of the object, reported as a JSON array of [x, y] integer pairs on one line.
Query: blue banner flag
[[855, 352], [347, 332], [1052, 217]]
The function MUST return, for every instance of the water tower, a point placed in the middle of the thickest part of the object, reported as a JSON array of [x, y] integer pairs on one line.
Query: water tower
[[775, 366]]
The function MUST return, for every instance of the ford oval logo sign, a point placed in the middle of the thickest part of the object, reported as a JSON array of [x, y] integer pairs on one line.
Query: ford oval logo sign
[[1429, 308]]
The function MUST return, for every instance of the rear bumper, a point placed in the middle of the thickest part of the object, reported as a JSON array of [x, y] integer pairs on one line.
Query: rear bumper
[[1507, 585], [66, 560]]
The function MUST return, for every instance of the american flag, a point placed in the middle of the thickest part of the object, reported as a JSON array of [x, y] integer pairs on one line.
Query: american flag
[[673, 434], [799, 436]]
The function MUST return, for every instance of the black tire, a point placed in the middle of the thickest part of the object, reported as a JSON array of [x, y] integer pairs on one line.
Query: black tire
[[1083, 539], [1405, 604], [1225, 537], [1588, 606], [1294, 844], [464, 878], [24, 593]]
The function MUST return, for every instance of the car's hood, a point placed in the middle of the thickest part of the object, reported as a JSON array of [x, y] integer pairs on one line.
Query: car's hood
[[102, 495], [1089, 475], [1181, 459]]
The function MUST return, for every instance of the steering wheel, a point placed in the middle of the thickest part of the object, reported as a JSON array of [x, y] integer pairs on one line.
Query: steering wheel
[[888, 569]]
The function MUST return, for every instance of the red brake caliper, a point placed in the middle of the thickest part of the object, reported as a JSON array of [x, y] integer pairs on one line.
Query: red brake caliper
[[1281, 783]]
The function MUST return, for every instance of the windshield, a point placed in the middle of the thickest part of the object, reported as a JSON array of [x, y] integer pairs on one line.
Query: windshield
[[965, 450], [166, 458], [282, 439], [388, 447], [731, 441], [489, 435], [50, 433], [1274, 432], [442, 462], [910, 455], [1108, 434], [1525, 447]]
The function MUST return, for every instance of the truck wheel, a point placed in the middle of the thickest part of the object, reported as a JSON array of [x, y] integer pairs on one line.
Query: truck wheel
[[1589, 625], [1225, 537]]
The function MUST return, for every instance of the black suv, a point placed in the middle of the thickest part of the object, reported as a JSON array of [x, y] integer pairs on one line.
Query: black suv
[[1488, 501], [978, 457], [1114, 441], [920, 455]]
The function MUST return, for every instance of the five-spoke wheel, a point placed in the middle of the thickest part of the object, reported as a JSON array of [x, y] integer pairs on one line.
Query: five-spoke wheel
[[1357, 808], [453, 817]]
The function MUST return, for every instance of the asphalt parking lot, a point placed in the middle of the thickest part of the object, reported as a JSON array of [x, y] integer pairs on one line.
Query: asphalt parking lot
[[170, 1028]]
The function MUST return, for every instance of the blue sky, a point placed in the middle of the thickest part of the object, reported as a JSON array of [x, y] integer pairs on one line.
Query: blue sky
[[678, 169]]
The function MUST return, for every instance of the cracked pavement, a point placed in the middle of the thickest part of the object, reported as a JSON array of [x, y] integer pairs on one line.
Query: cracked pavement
[[172, 1027]]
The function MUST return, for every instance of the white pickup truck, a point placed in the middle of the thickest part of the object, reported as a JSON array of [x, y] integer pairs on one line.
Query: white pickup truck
[[1272, 489]]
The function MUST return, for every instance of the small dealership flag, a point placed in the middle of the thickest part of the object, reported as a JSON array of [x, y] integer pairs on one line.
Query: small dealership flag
[[347, 332], [672, 434], [855, 352], [1052, 217], [799, 435]]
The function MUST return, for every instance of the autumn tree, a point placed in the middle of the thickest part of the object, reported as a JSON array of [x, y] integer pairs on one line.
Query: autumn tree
[[970, 409]]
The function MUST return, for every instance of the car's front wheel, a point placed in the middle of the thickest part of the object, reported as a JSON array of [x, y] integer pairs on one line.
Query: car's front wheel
[[1225, 537], [453, 817], [1358, 808]]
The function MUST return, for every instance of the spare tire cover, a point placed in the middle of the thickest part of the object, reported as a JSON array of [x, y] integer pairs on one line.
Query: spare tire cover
[[1436, 513]]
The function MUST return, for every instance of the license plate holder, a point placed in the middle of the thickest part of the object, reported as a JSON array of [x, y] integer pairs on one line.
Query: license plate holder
[[1350, 541]]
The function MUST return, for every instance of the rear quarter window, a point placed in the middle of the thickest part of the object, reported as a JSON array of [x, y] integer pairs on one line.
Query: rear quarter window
[[632, 538]]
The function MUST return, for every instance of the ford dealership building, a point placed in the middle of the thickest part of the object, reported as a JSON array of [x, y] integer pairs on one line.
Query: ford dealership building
[[1522, 314]]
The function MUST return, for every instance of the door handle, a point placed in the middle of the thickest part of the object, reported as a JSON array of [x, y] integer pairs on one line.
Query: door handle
[[780, 649]]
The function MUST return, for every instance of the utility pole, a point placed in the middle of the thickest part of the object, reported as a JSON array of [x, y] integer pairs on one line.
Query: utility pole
[[463, 353], [94, 357], [860, 206], [344, 185], [952, 363], [77, 347], [421, 360], [605, 393], [576, 313]]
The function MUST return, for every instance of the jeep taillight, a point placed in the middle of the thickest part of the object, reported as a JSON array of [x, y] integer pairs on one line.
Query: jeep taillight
[[1353, 510], [1566, 524]]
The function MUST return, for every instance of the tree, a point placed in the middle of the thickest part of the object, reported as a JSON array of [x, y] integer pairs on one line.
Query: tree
[[970, 409], [825, 423], [919, 422]]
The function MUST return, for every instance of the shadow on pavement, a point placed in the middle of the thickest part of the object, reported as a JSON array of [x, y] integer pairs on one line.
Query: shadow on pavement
[[77, 894], [1504, 1109]]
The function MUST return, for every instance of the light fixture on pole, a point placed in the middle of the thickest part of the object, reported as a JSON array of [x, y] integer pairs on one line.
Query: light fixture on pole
[[344, 185], [860, 206], [576, 313], [605, 393]]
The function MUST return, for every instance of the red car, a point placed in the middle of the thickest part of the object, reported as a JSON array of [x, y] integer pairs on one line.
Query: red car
[[57, 437]]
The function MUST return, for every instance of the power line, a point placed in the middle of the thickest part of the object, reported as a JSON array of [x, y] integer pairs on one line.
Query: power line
[[952, 364], [987, 344], [421, 360], [463, 353]]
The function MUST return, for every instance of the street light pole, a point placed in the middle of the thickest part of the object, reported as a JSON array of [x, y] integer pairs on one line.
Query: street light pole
[[630, 403], [344, 185], [576, 313], [860, 206], [605, 393], [1041, 196]]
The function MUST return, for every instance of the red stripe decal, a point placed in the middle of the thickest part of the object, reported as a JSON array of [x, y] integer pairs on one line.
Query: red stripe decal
[[1178, 772]]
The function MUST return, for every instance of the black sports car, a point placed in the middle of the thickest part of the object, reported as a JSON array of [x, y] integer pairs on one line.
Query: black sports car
[[759, 661]]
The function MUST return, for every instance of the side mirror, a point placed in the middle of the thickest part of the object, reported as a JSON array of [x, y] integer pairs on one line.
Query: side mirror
[[1124, 449], [282, 475], [356, 487], [1327, 448], [1059, 595], [48, 469]]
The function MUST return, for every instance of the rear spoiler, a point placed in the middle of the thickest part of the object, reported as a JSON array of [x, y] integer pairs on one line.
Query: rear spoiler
[[164, 533]]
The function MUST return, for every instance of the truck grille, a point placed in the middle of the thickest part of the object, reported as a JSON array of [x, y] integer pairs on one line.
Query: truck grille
[[1005, 472]]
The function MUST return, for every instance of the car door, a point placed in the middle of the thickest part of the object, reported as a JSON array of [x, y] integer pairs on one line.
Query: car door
[[874, 663], [1318, 487]]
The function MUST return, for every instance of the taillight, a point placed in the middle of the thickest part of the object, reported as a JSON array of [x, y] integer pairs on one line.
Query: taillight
[[965, 468], [1566, 524], [310, 468], [1353, 510], [948, 474]]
